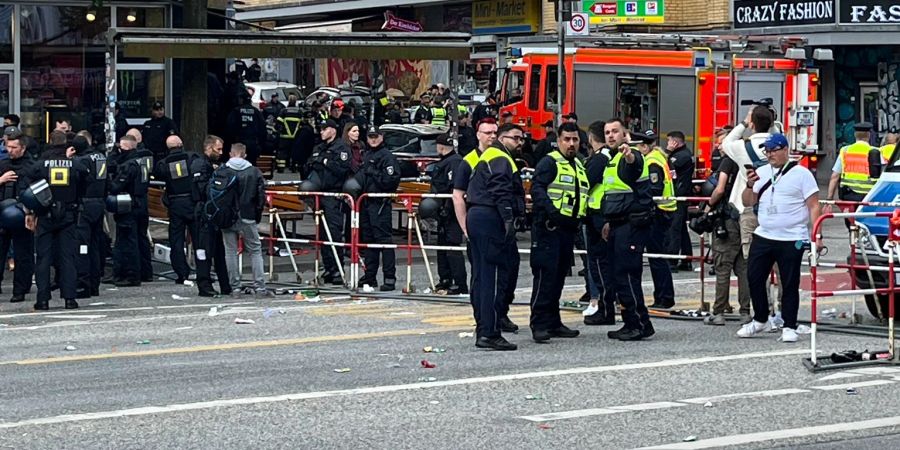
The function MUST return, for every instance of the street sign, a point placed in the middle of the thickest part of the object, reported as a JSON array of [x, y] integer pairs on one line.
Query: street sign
[[578, 25], [605, 12]]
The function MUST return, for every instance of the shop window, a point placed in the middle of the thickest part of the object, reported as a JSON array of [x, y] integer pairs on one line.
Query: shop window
[[6, 42], [143, 18], [638, 102], [139, 89], [534, 88], [515, 81], [552, 82]]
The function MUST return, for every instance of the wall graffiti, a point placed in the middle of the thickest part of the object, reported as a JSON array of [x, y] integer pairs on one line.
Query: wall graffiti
[[888, 96], [409, 76]]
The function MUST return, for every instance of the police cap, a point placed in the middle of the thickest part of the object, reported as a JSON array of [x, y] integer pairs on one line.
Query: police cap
[[374, 131], [157, 106], [647, 137], [863, 126], [444, 139], [330, 124], [10, 131]]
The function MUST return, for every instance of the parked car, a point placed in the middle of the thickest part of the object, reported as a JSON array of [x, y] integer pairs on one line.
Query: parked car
[[348, 96], [261, 93], [414, 146]]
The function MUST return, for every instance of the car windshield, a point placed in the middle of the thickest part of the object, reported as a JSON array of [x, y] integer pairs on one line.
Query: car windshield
[[267, 94], [291, 90], [429, 146]]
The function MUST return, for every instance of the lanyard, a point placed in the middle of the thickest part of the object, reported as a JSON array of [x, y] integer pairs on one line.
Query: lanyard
[[776, 177]]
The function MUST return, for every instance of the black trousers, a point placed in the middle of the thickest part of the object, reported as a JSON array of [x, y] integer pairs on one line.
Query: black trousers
[[285, 152], [552, 254], [56, 239], [764, 253], [181, 220], [451, 265], [660, 270], [142, 219], [600, 268], [209, 251], [679, 238], [22, 243], [487, 242], [91, 241], [375, 228], [508, 277], [126, 254], [626, 245], [333, 218]]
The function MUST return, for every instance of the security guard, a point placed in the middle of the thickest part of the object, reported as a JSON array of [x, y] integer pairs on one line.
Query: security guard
[[248, 126], [559, 191], [380, 173], [856, 169], [12, 182], [451, 265], [661, 185], [56, 239], [287, 126], [626, 204], [495, 208], [175, 171], [328, 168], [208, 247], [438, 112], [130, 176], [92, 240]]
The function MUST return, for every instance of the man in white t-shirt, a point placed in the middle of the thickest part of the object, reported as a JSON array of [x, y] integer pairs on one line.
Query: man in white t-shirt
[[787, 196]]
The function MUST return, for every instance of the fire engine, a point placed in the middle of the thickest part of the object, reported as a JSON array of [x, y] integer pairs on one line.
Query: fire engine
[[694, 84]]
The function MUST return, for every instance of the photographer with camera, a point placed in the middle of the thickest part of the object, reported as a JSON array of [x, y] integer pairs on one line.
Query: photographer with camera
[[721, 219]]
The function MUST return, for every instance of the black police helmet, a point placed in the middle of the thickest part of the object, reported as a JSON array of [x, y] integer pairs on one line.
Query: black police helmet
[[429, 208], [37, 197], [309, 186], [352, 187], [12, 217], [118, 204]]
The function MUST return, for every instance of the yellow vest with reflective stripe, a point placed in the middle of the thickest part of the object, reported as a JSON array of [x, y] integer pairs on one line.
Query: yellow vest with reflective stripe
[[656, 157], [493, 153], [855, 168], [438, 116], [569, 182], [887, 151], [462, 109], [471, 158], [611, 183], [291, 126]]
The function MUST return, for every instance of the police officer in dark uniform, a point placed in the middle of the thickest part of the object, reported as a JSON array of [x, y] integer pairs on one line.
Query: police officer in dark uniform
[[304, 144], [495, 208], [12, 182], [92, 240], [380, 173], [681, 162], [248, 126], [270, 116], [328, 169], [175, 171], [142, 212], [287, 125], [208, 246], [451, 264], [130, 175], [56, 238], [559, 190], [156, 130], [661, 185], [626, 204]]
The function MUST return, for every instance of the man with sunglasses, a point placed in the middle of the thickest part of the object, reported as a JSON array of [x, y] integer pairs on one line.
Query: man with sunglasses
[[787, 197], [496, 201]]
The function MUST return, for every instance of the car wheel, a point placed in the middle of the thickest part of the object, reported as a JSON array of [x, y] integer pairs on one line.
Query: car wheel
[[879, 309]]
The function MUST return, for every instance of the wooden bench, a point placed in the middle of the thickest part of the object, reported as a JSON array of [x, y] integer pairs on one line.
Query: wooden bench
[[266, 165], [290, 207], [155, 205]]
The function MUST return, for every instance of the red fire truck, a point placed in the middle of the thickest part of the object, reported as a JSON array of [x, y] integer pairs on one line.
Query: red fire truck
[[693, 84]]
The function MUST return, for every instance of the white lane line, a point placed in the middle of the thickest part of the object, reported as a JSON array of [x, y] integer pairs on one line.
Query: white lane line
[[646, 406], [391, 388], [750, 438], [76, 316], [757, 394], [835, 387]]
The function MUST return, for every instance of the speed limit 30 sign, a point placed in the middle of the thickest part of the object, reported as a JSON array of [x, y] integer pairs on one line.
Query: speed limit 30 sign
[[578, 25]]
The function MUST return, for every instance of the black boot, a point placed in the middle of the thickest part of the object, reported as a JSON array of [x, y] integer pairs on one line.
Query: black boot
[[42, 305], [495, 343], [71, 303]]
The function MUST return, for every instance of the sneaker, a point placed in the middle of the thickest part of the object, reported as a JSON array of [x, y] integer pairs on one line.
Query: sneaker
[[715, 319], [752, 328], [590, 310], [789, 335], [746, 318]]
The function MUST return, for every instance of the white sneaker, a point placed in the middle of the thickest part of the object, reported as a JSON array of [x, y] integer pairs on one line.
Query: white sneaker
[[591, 310], [789, 335], [752, 328]]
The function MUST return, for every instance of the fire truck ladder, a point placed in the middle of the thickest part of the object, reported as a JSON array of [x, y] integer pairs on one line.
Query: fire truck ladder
[[722, 94]]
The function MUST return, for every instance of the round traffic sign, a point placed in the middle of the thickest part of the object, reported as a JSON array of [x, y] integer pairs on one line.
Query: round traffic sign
[[577, 23]]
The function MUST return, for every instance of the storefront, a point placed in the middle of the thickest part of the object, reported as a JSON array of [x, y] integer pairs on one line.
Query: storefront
[[52, 63]]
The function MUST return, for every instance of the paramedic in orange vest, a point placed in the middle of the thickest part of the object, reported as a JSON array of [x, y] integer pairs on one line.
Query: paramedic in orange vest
[[856, 168]]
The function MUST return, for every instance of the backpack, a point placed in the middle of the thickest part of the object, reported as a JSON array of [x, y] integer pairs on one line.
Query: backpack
[[751, 153], [222, 204]]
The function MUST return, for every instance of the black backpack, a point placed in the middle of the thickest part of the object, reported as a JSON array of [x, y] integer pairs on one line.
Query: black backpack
[[222, 204]]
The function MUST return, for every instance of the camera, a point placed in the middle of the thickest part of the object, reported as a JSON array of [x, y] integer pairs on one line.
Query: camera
[[766, 101], [712, 221]]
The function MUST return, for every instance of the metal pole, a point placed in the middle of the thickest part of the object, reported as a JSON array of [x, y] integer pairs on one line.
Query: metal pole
[[560, 69]]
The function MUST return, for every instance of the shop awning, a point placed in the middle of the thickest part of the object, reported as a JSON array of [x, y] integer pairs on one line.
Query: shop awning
[[212, 44]]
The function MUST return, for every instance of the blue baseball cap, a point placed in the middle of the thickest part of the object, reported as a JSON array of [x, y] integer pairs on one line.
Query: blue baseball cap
[[776, 140]]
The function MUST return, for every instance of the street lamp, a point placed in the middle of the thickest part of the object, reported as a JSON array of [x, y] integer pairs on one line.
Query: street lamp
[[91, 15], [132, 15]]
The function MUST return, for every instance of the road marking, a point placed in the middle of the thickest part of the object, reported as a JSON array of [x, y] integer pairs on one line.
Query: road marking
[[77, 316], [719, 398], [835, 387], [392, 388], [750, 438]]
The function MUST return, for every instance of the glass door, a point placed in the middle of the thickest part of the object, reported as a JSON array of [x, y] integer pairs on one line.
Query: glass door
[[5, 91]]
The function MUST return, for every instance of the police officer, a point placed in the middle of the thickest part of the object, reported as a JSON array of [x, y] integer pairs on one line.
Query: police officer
[[380, 173], [422, 113], [56, 238], [495, 208], [559, 192], [142, 212], [270, 115], [626, 204], [304, 144], [92, 240], [175, 171], [287, 126], [661, 185], [12, 182], [156, 130], [328, 168], [451, 265], [248, 126], [681, 163], [438, 112], [856, 169], [130, 176], [209, 248]]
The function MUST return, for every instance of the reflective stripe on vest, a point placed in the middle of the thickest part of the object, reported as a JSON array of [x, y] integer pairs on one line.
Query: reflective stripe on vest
[[656, 157], [563, 190], [493, 153], [291, 126], [438, 116], [887, 151], [855, 168], [611, 183], [471, 158]]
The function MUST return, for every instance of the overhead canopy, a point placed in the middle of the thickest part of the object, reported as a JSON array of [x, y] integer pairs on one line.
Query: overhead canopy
[[212, 44]]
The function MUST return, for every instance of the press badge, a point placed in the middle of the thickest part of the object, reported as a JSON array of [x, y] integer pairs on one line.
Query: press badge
[[772, 209]]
